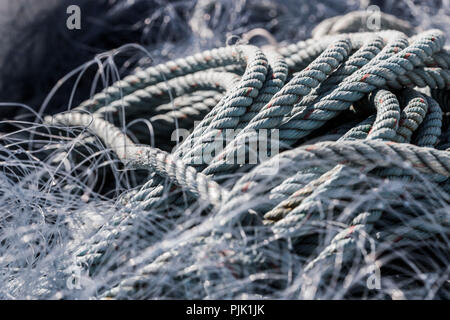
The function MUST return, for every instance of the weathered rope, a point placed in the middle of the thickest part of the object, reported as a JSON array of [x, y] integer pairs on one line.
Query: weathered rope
[[294, 92]]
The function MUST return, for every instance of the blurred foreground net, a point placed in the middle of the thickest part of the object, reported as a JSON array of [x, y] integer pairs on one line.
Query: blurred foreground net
[[318, 169]]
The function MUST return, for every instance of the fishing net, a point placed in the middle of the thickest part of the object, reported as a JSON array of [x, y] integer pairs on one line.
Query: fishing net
[[205, 166]]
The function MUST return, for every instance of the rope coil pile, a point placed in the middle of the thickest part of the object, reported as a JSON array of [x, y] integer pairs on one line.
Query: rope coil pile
[[360, 97]]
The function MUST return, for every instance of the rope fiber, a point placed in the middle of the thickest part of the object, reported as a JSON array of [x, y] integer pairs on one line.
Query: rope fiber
[[320, 154]]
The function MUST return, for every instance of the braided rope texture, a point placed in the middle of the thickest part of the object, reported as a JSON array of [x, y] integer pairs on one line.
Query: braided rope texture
[[351, 164]]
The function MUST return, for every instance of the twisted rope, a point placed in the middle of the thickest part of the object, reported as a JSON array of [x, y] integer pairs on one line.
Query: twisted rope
[[295, 92]]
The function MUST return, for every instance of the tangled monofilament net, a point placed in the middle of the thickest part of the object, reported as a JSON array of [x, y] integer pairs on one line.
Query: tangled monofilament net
[[101, 201]]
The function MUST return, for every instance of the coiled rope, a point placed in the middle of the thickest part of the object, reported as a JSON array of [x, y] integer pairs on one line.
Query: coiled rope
[[294, 92]]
